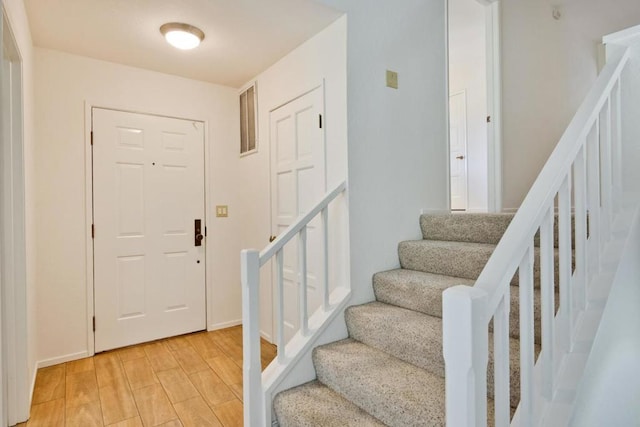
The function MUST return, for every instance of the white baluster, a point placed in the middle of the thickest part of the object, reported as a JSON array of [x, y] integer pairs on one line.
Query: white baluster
[[525, 284], [547, 296], [302, 261], [325, 280], [252, 368], [502, 398], [617, 146], [466, 349], [281, 344], [580, 198], [605, 173], [593, 199], [564, 249]]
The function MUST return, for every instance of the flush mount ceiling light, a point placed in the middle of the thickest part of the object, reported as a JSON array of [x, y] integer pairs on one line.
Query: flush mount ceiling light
[[182, 36]]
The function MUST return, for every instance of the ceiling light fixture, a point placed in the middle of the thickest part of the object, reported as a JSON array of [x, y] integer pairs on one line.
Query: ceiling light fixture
[[182, 36]]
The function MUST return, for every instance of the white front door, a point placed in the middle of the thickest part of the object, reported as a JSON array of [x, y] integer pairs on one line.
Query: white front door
[[148, 189], [458, 150], [298, 182]]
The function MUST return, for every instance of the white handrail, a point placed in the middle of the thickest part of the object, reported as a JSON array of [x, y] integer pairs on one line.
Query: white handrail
[[507, 255], [256, 409], [586, 161]]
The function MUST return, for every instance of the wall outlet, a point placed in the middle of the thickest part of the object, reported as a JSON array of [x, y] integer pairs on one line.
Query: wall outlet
[[222, 211], [392, 79]]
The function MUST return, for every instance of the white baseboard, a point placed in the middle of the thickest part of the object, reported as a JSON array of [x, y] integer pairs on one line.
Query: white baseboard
[[509, 210], [33, 384], [433, 211], [266, 337], [477, 210], [62, 359], [223, 325]]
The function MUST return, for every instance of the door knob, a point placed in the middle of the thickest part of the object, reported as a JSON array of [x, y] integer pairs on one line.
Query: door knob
[[460, 157], [197, 231]]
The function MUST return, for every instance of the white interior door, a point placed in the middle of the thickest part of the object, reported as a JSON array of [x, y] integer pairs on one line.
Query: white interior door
[[148, 189], [458, 150], [298, 182]]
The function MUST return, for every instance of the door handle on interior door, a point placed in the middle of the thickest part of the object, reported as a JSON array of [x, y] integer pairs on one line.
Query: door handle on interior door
[[197, 231], [460, 157]]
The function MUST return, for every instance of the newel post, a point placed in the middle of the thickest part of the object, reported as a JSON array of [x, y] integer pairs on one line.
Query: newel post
[[466, 350], [252, 368]]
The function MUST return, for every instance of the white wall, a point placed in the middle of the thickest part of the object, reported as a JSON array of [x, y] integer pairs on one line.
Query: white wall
[[609, 391], [17, 18], [548, 67], [397, 138], [63, 83], [468, 72], [321, 58]]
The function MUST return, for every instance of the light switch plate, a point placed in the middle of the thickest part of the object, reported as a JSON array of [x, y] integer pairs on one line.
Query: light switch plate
[[222, 211], [392, 79]]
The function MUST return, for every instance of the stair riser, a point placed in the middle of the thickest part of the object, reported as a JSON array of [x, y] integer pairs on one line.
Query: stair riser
[[477, 228], [427, 300], [396, 393], [418, 344], [474, 228], [458, 261]]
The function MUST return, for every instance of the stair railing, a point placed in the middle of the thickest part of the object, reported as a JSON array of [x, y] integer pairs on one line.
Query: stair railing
[[584, 167], [256, 410]]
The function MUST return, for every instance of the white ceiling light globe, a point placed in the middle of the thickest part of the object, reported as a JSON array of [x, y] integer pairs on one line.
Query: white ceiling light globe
[[182, 36]]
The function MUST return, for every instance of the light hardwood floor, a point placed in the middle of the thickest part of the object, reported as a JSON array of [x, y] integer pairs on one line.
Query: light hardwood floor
[[190, 380]]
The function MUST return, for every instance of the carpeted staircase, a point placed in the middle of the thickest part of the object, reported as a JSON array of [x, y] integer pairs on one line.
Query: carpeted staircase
[[390, 371]]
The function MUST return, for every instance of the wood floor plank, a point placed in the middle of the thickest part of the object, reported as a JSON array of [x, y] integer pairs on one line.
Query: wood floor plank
[[131, 422], [50, 384], [117, 404], [109, 370], [226, 369], [81, 389], [154, 405], [177, 385], [176, 343], [195, 413], [48, 414], [131, 353], [237, 390], [81, 365], [172, 423], [139, 373], [162, 361], [229, 413], [204, 345], [190, 360], [211, 387], [87, 415]]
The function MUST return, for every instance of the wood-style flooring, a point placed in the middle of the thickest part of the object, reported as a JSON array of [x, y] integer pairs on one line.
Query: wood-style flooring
[[190, 380]]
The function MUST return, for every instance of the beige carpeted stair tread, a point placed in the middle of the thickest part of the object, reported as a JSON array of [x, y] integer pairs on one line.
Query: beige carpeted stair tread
[[313, 405], [419, 291], [457, 259], [415, 338], [473, 228], [414, 290], [397, 393]]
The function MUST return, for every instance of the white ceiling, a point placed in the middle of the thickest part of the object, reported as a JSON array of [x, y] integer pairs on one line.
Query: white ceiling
[[242, 37]]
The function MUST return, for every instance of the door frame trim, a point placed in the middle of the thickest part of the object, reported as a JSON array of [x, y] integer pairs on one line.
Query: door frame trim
[[271, 335], [16, 397], [89, 105], [462, 92], [493, 51]]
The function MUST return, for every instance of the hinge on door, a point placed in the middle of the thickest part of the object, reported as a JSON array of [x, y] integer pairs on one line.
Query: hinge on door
[[94, 323], [91, 137], [488, 119], [205, 231], [93, 231], [320, 120]]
